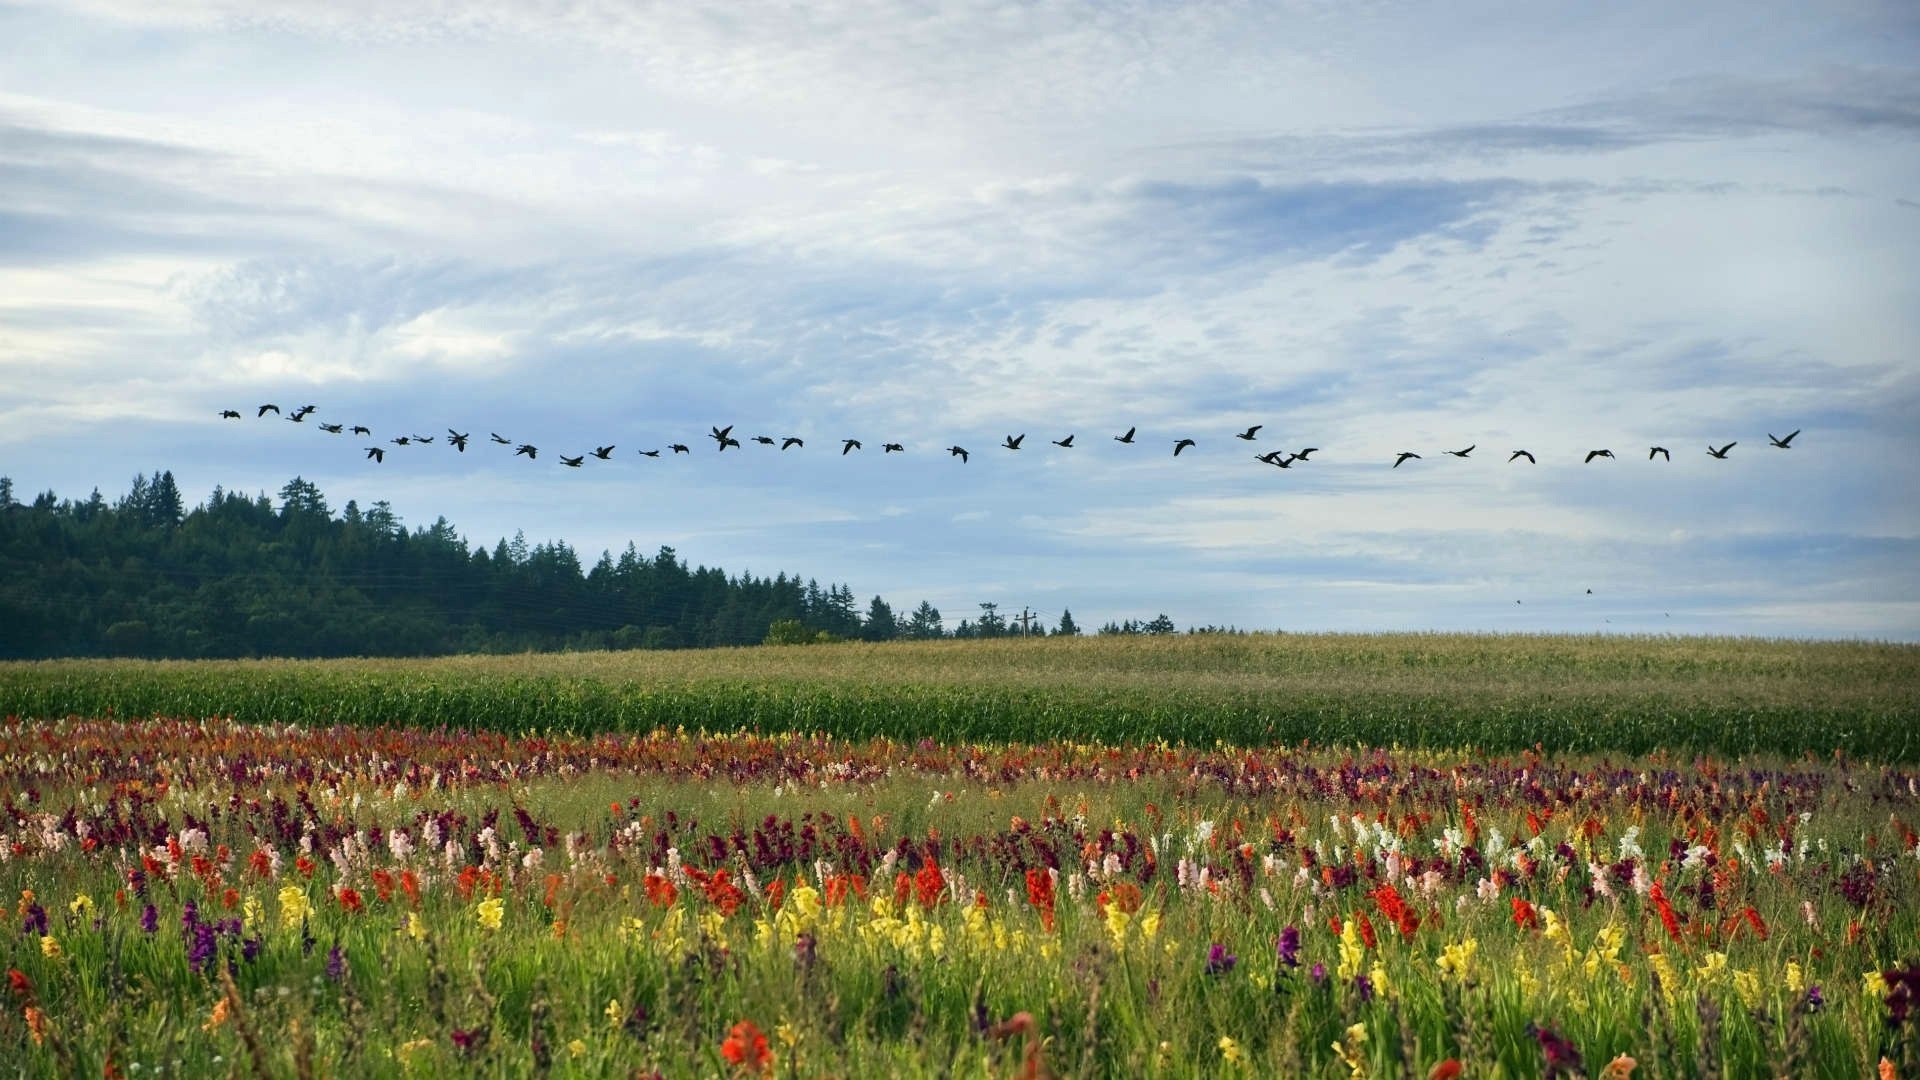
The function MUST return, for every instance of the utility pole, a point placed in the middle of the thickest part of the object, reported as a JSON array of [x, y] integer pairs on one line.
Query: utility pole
[[1026, 618]]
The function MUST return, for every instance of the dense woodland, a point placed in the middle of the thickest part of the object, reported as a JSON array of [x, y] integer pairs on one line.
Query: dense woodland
[[241, 576]]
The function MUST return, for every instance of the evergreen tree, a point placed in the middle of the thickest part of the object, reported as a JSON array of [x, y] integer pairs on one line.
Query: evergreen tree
[[991, 625], [926, 625], [879, 625], [1067, 627]]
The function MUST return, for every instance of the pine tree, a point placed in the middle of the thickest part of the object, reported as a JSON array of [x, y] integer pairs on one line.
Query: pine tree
[[880, 625], [925, 624], [1067, 627]]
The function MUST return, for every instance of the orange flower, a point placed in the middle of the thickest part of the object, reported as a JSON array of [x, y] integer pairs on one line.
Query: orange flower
[[1619, 1068], [747, 1048], [1886, 1070], [1446, 1070], [37, 1026]]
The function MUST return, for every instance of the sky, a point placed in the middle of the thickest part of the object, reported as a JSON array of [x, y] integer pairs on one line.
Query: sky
[[1367, 227]]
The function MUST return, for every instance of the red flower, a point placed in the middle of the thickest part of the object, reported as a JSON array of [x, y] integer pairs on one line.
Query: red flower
[[747, 1048], [304, 865], [660, 891], [383, 884], [1449, 1069], [18, 982], [1523, 914], [1040, 895], [260, 863], [1366, 931], [928, 885], [350, 899]]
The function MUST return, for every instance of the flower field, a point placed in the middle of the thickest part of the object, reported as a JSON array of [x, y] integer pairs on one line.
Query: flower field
[[207, 898]]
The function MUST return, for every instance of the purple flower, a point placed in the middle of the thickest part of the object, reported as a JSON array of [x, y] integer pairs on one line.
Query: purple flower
[[189, 917], [1364, 986], [1219, 960], [251, 947], [202, 944], [1319, 972], [150, 918], [36, 921], [1562, 1058], [137, 879], [1288, 946], [336, 964], [1815, 999]]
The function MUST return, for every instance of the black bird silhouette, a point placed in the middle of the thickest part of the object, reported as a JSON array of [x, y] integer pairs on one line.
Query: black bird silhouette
[[376, 454], [1404, 455], [719, 435], [332, 429], [457, 440], [1066, 442], [649, 453], [1013, 441], [361, 429], [1128, 437], [1275, 457], [1182, 445], [265, 409], [305, 409], [847, 446], [763, 440], [1462, 453], [1518, 454], [1591, 454], [1722, 452], [1589, 592], [229, 414], [399, 440], [1784, 444], [892, 448], [532, 451], [1302, 455], [959, 452], [297, 417], [726, 441], [680, 448], [423, 438], [603, 452], [1661, 450], [572, 462], [502, 439], [790, 442], [1250, 432]]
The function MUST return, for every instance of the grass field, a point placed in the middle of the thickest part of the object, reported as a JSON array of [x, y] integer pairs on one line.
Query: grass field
[[1494, 693]]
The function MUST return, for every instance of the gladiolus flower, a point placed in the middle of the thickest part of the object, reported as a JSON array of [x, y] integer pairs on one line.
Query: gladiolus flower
[[221, 1011], [1230, 1050], [1619, 1068], [491, 913], [747, 1048], [36, 1023], [1449, 1069]]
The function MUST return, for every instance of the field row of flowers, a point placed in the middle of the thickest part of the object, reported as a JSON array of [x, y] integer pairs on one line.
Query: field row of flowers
[[206, 898]]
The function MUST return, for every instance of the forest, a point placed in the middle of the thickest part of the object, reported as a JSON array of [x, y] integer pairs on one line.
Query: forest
[[250, 576]]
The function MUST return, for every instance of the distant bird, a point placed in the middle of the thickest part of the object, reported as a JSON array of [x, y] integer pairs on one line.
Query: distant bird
[[1722, 452], [763, 440], [303, 410], [265, 409], [1182, 445], [572, 462], [726, 441], [680, 448], [1518, 454], [1660, 450], [1589, 592], [1591, 454], [1275, 457], [1404, 455], [229, 414], [376, 454], [1302, 455], [457, 440], [297, 417], [332, 429], [649, 453], [719, 435], [361, 429], [502, 439], [423, 438], [959, 452], [532, 451], [1128, 437], [790, 442], [1462, 453], [848, 446], [1013, 441], [399, 440], [604, 453], [1066, 442], [1784, 444], [892, 448], [1250, 432]]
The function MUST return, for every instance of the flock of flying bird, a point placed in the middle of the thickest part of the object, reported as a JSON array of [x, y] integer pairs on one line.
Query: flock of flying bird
[[723, 438]]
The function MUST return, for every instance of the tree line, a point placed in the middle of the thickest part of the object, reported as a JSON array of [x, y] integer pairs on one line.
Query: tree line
[[244, 576]]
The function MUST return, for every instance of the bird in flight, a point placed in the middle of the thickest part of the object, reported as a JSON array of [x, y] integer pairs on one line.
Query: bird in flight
[[399, 440], [791, 441], [1660, 450], [959, 452], [1250, 432], [265, 409], [1462, 453], [532, 451], [848, 446], [649, 453], [1518, 454], [229, 414], [1784, 444], [1275, 457], [719, 434], [1591, 454], [1128, 437], [1066, 442], [892, 448], [726, 441], [423, 438], [1013, 441], [1403, 456], [376, 454], [680, 448], [332, 429], [763, 440], [1302, 455], [361, 429], [1722, 452], [572, 462], [301, 413], [604, 453], [457, 440], [502, 439], [297, 417], [1182, 445]]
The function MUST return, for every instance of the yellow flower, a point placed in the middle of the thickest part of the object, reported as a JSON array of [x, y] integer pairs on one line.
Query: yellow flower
[[1230, 1050], [714, 925], [577, 1047], [787, 1034], [416, 926], [82, 906], [294, 907], [1713, 968], [1669, 979], [1378, 976], [412, 1047], [614, 1012], [1457, 960], [1796, 979], [1349, 1050], [1352, 951], [49, 948], [1150, 925], [250, 912], [1873, 985], [1117, 921], [805, 900], [1747, 985], [491, 912]]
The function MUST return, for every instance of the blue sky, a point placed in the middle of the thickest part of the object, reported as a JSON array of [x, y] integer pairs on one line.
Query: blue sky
[[1369, 227]]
